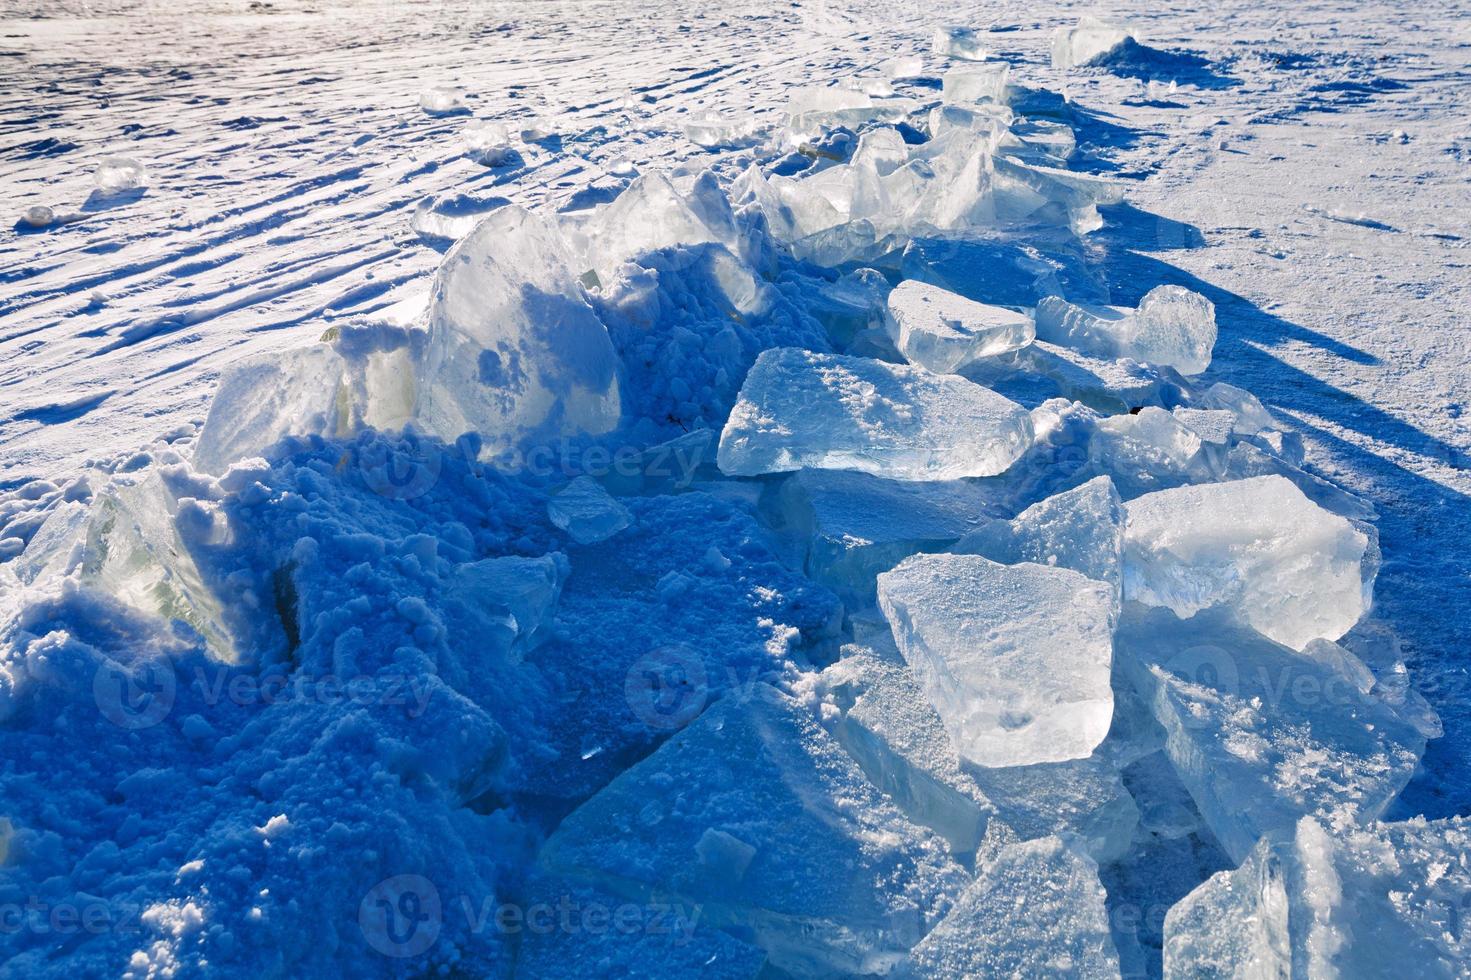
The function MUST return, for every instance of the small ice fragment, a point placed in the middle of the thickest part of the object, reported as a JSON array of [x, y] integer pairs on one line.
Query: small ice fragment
[[1261, 735], [507, 601], [986, 83], [1258, 547], [911, 66], [944, 332], [587, 512], [450, 217], [1147, 451], [964, 43], [1015, 658], [713, 129], [489, 144], [1384, 901], [1036, 909], [116, 174], [798, 408], [1172, 326], [1081, 529], [1087, 43], [37, 216], [443, 101], [1251, 416]]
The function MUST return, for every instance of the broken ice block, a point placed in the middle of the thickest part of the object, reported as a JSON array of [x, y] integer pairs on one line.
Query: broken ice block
[[1212, 426], [1258, 547], [507, 602], [1386, 901], [1172, 326], [837, 880], [984, 84], [587, 512], [450, 217], [443, 101], [939, 330], [1103, 384], [714, 129], [798, 408], [1146, 451], [964, 43], [651, 214], [856, 525], [515, 353], [489, 144], [1036, 909], [1081, 529], [897, 738], [116, 175], [1090, 42], [1016, 658], [1251, 416], [1261, 735], [1083, 799]]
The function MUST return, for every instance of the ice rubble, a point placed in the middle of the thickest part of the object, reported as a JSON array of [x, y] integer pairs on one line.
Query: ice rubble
[[798, 408], [1016, 658], [1381, 901], [1089, 42], [1285, 566], [587, 512], [1036, 909], [1172, 326], [938, 330], [755, 813]]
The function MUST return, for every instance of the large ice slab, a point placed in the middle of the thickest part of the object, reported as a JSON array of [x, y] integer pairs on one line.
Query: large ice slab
[[1081, 529], [1384, 901], [514, 351], [1259, 547], [1172, 326], [1262, 735], [798, 408], [855, 525], [758, 815], [944, 332], [1036, 909], [1015, 658]]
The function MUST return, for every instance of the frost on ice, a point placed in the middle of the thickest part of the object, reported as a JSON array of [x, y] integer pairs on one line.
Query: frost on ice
[[1016, 658], [1036, 909], [1258, 547], [798, 408], [1172, 327], [936, 329], [1382, 901], [758, 815]]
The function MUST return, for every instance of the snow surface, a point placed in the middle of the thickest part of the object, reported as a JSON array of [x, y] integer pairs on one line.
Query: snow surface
[[281, 709]]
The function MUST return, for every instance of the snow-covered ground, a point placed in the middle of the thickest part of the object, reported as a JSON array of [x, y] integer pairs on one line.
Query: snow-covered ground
[[1306, 168]]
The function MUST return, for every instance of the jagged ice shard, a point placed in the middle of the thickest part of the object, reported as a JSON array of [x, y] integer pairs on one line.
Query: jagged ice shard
[[799, 408], [1259, 547], [944, 332], [1015, 658]]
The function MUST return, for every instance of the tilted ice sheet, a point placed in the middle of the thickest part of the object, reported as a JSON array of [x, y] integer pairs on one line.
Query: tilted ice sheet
[[1258, 547], [1387, 900], [798, 408], [1260, 734], [1015, 658], [944, 332]]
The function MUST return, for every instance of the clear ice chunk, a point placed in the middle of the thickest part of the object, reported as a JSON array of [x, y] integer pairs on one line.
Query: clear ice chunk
[[1384, 901], [1172, 326], [1089, 42], [508, 602], [1015, 658], [1081, 529], [587, 512], [855, 525], [450, 217], [514, 353], [1082, 799], [986, 83], [799, 408], [1036, 909], [1259, 547], [651, 214], [965, 43], [118, 175], [1251, 415], [944, 332], [489, 144], [837, 881], [1262, 735], [1146, 451], [443, 101]]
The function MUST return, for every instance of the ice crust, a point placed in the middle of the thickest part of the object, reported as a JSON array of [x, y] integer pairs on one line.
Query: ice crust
[[1171, 327], [1016, 658], [1036, 909], [938, 330], [832, 878], [1380, 901], [1258, 547], [799, 408]]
